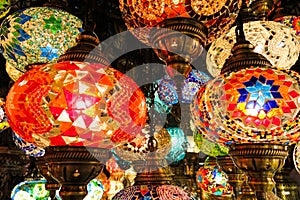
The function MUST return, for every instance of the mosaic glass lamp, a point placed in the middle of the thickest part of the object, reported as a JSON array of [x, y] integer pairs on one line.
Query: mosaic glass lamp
[[181, 27], [4, 8], [3, 118], [83, 111], [36, 190], [277, 42], [75, 107], [254, 108], [296, 157], [179, 145], [167, 89], [25, 44], [213, 180]]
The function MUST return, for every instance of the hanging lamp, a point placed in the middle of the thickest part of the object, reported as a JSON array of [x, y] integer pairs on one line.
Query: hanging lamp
[[178, 30]]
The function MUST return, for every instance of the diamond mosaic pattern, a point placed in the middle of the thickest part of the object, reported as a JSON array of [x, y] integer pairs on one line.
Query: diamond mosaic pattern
[[77, 104]]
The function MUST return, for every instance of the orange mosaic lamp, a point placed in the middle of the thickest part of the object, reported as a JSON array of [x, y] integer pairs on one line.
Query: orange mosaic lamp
[[178, 30], [76, 104]]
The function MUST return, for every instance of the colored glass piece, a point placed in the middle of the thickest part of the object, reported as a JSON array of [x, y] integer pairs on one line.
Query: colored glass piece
[[4, 8], [28, 148], [149, 192], [261, 117], [292, 22], [38, 35], [213, 180], [3, 118], [209, 148], [216, 16], [167, 89], [277, 42], [69, 104]]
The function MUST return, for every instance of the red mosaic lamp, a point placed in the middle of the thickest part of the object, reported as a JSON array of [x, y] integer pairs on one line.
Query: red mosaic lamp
[[254, 109], [78, 111], [182, 28]]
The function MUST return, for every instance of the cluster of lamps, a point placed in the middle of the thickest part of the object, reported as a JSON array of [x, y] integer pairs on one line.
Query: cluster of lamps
[[74, 110]]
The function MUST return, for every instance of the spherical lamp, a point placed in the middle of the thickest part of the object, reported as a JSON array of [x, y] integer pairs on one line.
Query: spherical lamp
[[213, 180], [277, 42], [76, 107], [181, 29], [37, 35], [170, 94], [254, 108]]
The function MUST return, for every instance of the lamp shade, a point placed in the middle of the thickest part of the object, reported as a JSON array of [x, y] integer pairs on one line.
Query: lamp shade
[[75, 104], [145, 192], [38, 35], [296, 157], [213, 180], [250, 105], [217, 16], [277, 42], [4, 8], [167, 89], [3, 118]]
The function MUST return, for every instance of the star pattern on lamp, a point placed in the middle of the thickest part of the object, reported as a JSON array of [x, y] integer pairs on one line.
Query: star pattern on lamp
[[53, 24], [49, 52]]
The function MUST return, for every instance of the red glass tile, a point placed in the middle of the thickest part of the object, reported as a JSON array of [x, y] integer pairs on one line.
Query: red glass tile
[[266, 122], [293, 94], [291, 104], [276, 121], [286, 109], [231, 107]]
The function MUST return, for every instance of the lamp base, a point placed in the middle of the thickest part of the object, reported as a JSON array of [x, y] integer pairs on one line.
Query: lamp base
[[235, 176], [178, 41], [74, 168], [260, 162]]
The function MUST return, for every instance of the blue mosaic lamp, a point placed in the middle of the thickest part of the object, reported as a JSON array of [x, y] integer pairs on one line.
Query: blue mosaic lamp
[[179, 145], [167, 89], [37, 35]]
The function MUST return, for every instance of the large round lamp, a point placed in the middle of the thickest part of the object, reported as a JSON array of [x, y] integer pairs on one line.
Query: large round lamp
[[77, 111]]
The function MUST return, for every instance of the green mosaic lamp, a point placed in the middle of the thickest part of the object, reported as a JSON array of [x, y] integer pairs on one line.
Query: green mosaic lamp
[[37, 35]]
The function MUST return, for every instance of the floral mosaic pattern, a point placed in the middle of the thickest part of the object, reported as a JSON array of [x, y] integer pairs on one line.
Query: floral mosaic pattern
[[76, 104], [147, 192], [291, 21], [251, 105], [277, 42], [38, 35]]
